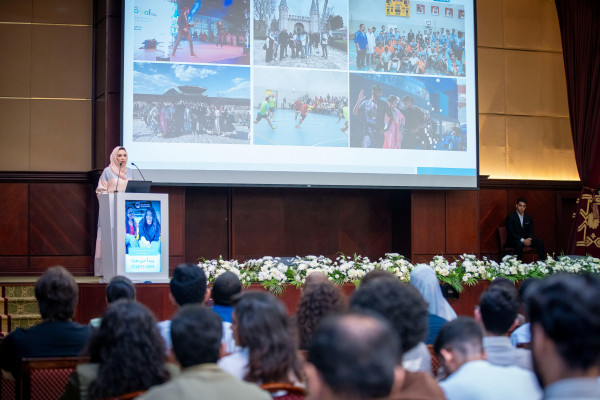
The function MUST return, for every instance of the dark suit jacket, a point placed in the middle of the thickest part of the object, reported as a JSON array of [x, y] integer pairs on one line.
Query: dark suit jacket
[[514, 230]]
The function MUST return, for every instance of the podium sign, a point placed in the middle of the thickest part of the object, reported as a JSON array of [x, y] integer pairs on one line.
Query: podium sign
[[137, 242]]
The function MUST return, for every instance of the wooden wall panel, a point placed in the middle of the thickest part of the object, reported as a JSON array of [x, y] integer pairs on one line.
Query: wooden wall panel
[[492, 214], [206, 223], [428, 219], [311, 220], [257, 226], [59, 223], [462, 222], [14, 215], [365, 219], [77, 265]]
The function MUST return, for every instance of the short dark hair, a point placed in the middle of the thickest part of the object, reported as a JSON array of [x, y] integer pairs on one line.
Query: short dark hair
[[225, 287], [399, 303], [188, 284], [498, 307], [502, 282], [566, 307], [196, 333], [521, 200], [355, 355], [376, 274], [119, 287], [462, 334], [56, 293]]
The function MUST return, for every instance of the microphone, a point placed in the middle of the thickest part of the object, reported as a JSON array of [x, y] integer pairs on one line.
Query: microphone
[[118, 177], [139, 171]]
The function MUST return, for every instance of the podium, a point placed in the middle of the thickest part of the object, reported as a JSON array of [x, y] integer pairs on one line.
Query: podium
[[137, 250]]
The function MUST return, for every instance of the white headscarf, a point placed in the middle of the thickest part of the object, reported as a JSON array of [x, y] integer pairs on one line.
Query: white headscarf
[[424, 279]]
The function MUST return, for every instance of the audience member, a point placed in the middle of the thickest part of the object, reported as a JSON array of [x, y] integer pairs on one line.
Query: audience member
[[225, 288], [57, 335], [522, 335], [188, 286], [312, 278], [460, 348], [196, 334], [388, 297], [564, 311], [402, 304], [267, 352], [497, 315], [351, 357], [127, 355], [439, 311], [119, 287], [317, 302]]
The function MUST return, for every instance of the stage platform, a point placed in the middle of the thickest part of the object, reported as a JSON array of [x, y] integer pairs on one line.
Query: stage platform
[[92, 302]]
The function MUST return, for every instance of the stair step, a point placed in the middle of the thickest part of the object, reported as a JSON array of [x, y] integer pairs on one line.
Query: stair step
[[19, 291], [24, 321], [19, 305]]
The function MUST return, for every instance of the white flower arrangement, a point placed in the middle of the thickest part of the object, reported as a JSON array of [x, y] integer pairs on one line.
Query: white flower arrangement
[[273, 274]]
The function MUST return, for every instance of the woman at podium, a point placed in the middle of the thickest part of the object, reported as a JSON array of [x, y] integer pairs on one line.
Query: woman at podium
[[115, 176]]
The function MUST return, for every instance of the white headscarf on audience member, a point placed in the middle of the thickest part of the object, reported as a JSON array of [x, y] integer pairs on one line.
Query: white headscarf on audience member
[[424, 279]]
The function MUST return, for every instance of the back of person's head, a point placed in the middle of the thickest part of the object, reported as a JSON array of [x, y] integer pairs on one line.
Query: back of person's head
[[526, 287], [354, 356], [119, 287], [424, 278], [502, 282], [225, 287], [400, 304], [318, 301], [567, 308], [262, 325], [498, 307], [188, 285], [129, 350], [377, 273], [56, 293], [196, 333], [462, 335], [313, 278]]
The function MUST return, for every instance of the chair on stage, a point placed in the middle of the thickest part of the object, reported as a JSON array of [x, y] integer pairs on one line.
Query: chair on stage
[[290, 392], [507, 250], [46, 378]]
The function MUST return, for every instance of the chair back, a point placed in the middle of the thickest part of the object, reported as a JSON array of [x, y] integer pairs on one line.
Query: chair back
[[46, 378], [435, 361], [8, 389], [284, 391], [502, 237]]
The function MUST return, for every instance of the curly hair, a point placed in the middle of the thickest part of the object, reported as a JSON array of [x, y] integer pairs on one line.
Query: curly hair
[[129, 349], [263, 327], [400, 304], [318, 301]]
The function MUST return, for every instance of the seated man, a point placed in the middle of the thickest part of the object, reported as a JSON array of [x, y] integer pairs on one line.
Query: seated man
[[565, 335], [196, 336], [224, 290], [57, 335], [119, 287], [351, 357], [188, 286], [519, 228], [459, 346], [497, 315]]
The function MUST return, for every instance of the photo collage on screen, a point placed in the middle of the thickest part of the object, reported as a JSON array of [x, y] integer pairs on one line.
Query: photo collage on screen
[[326, 73]]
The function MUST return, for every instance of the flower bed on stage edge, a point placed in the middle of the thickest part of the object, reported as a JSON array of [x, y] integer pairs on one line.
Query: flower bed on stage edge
[[274, 274]]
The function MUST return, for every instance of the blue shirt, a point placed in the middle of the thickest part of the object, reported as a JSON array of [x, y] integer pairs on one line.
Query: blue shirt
[[224, 312], [360, 38]]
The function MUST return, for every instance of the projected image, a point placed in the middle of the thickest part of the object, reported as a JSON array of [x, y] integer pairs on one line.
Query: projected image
[[191, 103], [407, 112], [142, 236], [301, 108], [426, 43], [301, 33], [193, 31]]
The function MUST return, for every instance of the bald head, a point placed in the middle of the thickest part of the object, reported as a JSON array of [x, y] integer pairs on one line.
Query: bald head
[[354, 356]]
